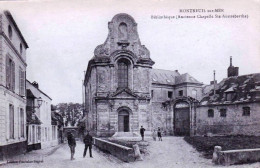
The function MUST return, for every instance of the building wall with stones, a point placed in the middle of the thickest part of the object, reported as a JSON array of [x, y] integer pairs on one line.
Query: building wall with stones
[[12, 87], [234, 123]]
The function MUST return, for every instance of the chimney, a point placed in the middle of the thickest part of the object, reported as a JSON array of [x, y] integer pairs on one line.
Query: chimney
[[232, 71], [212, 82], [35, 84]]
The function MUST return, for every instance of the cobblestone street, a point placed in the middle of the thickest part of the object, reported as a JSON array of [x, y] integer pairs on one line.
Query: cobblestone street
[[172, 152]]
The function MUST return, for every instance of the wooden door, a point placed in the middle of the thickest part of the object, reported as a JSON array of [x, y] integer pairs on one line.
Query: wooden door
[[123, 121], [126, 123], [182, 121], [120, 123]]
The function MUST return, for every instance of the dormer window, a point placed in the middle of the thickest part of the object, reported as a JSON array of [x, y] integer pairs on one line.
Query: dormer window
[[10, 32], [230, 94]]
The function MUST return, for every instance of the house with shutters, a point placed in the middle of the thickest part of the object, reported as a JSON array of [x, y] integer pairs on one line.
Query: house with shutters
[[42, 132], [12, 87]]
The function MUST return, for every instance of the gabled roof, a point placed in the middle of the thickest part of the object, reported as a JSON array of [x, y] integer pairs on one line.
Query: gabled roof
[[246, 88], [167, 77], [38, 89], [124, 90], [231, 89]]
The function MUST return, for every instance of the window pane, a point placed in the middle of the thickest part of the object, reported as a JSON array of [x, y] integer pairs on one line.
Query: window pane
[[122, 75], [11, 121], [22, 122]]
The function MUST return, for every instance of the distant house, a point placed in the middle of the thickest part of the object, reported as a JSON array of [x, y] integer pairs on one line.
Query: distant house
[[57, 120], [41, 132], [12, 87]]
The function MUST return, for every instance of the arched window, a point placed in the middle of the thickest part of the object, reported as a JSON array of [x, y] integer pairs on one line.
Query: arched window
[[123, 73]]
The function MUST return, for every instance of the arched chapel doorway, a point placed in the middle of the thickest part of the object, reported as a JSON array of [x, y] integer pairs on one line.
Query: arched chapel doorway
[[123, 121], [182, 118]]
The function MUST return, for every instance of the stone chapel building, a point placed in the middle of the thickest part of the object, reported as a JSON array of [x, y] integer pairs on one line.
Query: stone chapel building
[[124, 92]]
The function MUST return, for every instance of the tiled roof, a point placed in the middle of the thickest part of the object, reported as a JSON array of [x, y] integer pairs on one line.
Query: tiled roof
[[167, 77], [38, 90], [160, 76], [186, 78], [245, 88]]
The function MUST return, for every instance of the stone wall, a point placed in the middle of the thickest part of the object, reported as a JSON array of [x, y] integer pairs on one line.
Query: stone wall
[[233, 123], [123, 153]]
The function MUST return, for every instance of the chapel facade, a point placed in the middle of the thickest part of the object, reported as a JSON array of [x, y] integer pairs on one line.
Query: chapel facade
[[124, 92]]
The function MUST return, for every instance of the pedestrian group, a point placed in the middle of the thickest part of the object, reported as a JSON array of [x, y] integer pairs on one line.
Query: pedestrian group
[[154, 133], [88, 141]]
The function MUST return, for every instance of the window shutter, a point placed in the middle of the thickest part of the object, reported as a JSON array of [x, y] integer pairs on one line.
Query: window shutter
[[13, 76], [20, 81], [7, 72]]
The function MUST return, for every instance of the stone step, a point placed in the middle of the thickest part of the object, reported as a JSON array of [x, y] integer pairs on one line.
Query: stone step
[[126, 134]]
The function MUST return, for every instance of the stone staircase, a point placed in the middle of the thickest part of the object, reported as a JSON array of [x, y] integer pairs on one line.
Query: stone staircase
[[126, 134]]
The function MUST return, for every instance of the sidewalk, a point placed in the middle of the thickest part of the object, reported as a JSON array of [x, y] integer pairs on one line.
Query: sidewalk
[[35, 156]]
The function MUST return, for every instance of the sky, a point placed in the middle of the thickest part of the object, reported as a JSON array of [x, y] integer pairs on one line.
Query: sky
[[63, 34]]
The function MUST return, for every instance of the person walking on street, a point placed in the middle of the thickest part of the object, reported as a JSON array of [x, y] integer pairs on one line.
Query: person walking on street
[[159, 134], [88, 139], [154, 135], [72, 144], [142, 132]]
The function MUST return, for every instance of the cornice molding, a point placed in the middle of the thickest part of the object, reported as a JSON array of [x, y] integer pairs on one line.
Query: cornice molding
[[13, 93]]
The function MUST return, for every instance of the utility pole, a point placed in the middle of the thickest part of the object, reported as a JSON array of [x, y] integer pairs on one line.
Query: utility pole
[[83, 94], [214, 73]]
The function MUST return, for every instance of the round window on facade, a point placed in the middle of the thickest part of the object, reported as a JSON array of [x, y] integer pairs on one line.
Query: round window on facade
[[21, 48], [10, 32]]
